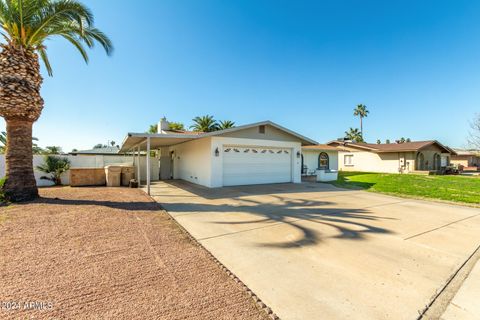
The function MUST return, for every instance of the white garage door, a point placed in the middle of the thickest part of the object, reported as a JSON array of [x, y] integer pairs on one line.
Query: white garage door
[[256, 165]]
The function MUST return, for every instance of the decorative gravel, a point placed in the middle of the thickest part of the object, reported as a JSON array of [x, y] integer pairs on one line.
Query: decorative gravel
[[108, 253]]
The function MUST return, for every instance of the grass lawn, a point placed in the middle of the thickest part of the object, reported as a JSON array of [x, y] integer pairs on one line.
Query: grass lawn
[[450, 188]]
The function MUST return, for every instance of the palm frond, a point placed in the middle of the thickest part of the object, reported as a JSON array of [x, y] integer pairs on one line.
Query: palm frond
[[27, 24]]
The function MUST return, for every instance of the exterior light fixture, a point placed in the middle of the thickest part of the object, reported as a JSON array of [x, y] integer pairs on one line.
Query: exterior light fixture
[[217, 152], [298, 154]]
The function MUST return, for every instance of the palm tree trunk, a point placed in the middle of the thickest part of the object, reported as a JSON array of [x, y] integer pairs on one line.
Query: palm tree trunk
[[361, 126], [20, 106], [20, 184]]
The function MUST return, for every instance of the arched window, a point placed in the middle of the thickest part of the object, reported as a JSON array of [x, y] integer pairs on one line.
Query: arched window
[[323, 161], [420, 162], [437, 161]]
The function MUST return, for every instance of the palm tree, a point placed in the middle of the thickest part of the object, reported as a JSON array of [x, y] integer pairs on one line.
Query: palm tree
[[54, 166], [362, 112], [53, 150], [204, 124], [226, 124], [26, 25], [354, 135], [178, 126]]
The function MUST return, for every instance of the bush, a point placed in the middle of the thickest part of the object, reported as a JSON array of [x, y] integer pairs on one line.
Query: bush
[[3, 199], [54, 166]]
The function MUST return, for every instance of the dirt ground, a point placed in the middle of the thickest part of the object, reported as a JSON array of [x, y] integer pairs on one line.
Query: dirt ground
[[108, 253]]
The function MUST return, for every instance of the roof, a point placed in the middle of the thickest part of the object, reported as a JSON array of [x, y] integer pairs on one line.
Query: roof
[[393, 147], [97, 151], [169, 138], [462, 152], [321, 147]]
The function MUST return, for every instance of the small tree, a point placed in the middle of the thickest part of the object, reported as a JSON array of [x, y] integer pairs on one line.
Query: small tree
[[54, 166], [474, 138], [379, 141], [387, 141], [408, 140]]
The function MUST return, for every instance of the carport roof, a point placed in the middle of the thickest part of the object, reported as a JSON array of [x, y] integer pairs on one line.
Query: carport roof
[[158, 140]]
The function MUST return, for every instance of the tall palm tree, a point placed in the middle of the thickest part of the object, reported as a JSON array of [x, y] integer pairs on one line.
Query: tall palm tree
[[226, 124], [26, 25], [354, 135], [362, 112], [3, 144], [204, 124]]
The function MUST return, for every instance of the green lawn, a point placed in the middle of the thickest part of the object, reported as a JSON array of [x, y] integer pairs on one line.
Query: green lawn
[[450, 188]]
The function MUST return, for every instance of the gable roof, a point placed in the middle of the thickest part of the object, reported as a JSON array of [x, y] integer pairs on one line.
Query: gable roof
[[393, 147], [175, 137]]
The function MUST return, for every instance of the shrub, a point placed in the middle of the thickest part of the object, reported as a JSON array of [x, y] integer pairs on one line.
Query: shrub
[[54, 166], [3, 199]]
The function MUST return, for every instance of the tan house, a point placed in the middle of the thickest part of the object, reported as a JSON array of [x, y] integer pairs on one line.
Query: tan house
[[467, 159], [392, 157]]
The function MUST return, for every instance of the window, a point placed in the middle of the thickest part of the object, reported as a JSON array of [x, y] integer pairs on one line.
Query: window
[[348, 159], [323, 161], [261, 129]]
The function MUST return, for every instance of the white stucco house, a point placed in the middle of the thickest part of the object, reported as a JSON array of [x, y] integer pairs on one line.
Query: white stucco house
[[257, 153]]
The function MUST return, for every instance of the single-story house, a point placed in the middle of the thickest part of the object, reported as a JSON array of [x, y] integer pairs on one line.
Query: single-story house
[[467, 159], [392, 157], [319, 157], [257, 153], [108, 150]]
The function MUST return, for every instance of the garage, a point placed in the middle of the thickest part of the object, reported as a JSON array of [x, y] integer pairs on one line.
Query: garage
[[256, 165]]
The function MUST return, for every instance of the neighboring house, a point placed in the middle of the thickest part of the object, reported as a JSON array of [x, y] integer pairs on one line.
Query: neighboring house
[[319, 156], [96, 151], [393, 157], [257, 153], [468, 159]]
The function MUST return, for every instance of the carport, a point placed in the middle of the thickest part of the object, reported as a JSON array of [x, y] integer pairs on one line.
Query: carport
[[136, 143]]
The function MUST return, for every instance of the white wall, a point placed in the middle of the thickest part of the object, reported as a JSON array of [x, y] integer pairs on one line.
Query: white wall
[[219, 142], [192, 161], [90, 161], [310, 158]]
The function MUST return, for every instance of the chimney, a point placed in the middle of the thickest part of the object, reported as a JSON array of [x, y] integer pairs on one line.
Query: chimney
[[163, 125]]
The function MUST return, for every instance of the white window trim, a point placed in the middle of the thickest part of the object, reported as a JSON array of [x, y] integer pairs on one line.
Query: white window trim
[[351, 164]]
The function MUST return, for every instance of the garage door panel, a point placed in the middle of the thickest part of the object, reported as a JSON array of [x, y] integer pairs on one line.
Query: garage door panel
[[256, 165]]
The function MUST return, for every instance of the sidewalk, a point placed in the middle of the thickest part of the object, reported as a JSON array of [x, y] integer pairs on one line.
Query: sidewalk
[[465, 305]]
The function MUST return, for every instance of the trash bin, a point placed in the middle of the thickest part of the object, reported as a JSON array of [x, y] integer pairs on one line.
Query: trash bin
[[128, 173], [112, 175]]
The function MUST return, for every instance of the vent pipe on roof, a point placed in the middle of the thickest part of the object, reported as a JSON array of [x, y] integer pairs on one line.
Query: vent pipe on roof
[[163, 125]]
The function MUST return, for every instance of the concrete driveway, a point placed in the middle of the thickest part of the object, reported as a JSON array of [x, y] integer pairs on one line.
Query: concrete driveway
[[312, 251]]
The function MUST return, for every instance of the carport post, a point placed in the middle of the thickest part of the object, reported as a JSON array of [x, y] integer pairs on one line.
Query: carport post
[[148, 165], [138, 165]]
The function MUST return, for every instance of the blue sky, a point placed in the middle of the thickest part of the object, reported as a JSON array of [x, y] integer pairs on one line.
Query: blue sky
[[302, 64]]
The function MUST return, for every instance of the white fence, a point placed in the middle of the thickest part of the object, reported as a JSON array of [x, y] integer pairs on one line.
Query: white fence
[[89, 161]]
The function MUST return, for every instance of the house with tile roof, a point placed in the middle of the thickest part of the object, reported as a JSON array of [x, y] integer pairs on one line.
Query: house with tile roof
[[403, 157]]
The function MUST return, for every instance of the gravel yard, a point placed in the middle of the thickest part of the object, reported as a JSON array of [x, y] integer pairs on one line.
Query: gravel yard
[[108, 253]]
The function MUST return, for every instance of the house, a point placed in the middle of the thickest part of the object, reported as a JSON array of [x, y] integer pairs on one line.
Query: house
[[320, 156], [467, 159], [107, 150], [392, 157], [257, 153]]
